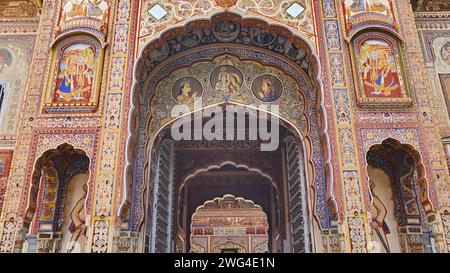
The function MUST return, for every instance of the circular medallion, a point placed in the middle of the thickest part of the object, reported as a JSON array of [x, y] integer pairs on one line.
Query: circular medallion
[[226, 31], [226, 79], [261, 37], [293, 51], [160, 53], [267, 88], [187, 90], [191, 39]]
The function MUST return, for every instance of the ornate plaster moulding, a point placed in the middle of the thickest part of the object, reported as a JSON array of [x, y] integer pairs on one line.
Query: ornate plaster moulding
[[373, 25], [441, 14]]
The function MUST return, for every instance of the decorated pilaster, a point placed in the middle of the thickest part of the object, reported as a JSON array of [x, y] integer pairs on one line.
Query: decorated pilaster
[[114, 127]]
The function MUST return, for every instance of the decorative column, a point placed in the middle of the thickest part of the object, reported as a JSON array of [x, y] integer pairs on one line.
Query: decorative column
[[436, 223], [159, 229], [299, 230], [114, 126], [13, 209], [354, 216], [445, 216]]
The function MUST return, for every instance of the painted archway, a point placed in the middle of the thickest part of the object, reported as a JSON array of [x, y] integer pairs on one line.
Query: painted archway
[[205, 42]]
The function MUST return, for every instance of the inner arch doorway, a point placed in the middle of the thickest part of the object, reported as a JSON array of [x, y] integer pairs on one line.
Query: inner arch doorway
[[229, 225], [188, 173]]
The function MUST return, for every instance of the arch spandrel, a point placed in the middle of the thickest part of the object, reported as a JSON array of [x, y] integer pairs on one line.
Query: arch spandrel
[[193, 14]]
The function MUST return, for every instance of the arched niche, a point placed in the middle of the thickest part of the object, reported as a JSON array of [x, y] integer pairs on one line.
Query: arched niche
[[60, 176], [397, 182], [201, 40]]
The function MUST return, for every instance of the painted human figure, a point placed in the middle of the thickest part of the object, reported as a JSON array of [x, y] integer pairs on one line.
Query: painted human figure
[[446, 54], [78, 226], [377, 71], [222, 83], [380, 229], [75, 80], [5, 59], [233, 83], [186, 97], [227, 82], [267, 92]]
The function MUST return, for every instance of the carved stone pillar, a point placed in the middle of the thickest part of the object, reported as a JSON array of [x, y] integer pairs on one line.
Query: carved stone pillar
[[296, 181], [437, 232], [333, 240], [411, 239], [445, 216], [45, 246], [125, 242]]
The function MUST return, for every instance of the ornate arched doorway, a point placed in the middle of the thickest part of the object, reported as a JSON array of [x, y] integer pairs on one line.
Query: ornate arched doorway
[[228, 61]]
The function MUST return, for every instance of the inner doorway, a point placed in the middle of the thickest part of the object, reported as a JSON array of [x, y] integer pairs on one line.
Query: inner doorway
[[229, 224], [191, 174]]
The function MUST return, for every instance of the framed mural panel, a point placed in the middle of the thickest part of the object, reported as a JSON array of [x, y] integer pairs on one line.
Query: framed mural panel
[[380, 71], [75, 76]]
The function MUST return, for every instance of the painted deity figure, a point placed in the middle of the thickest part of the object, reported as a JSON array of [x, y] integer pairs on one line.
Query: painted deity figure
[[379, 74], [77, 226], [267, 92], [75, 79], [380, 229], [227, 82], [187, 95]]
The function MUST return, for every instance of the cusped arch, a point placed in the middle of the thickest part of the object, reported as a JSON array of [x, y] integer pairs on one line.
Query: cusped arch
[[61, 150], [155, 53], [382, 156]]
